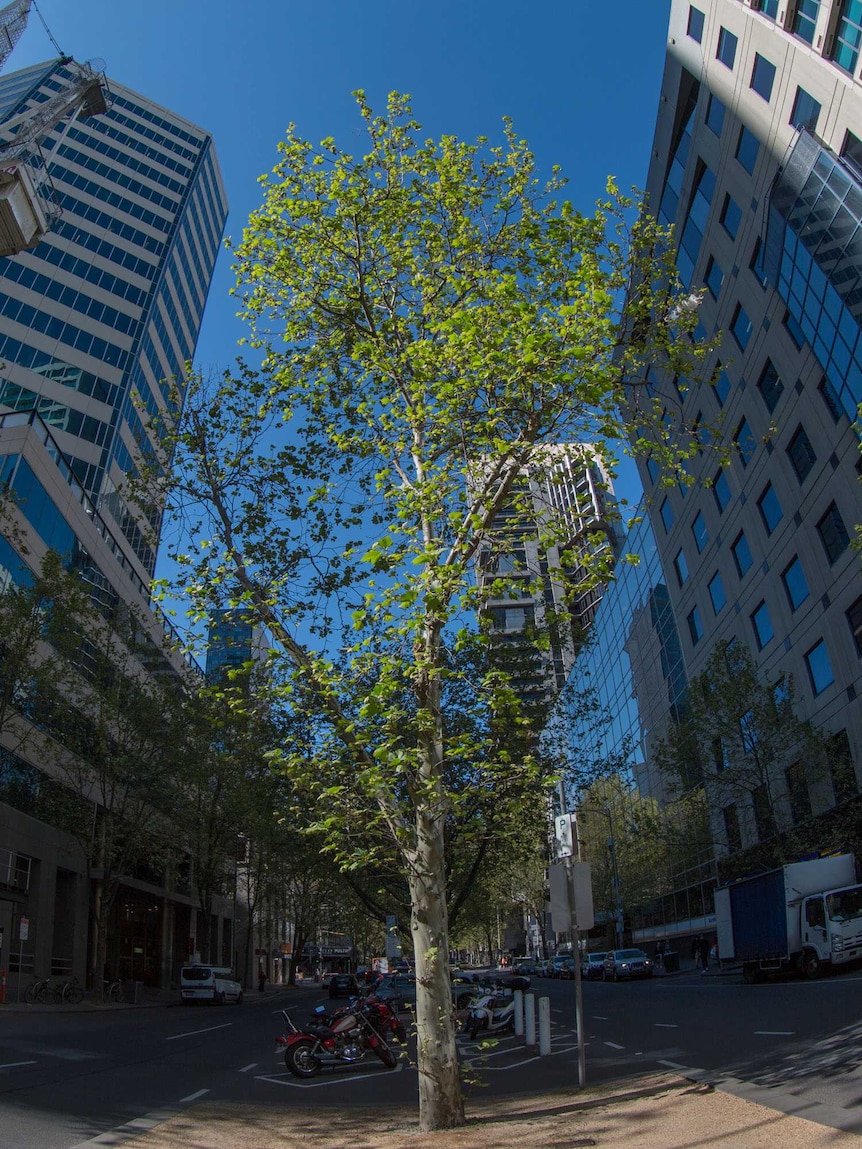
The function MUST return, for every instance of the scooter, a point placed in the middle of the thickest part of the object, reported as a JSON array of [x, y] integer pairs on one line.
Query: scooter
[[491, 1011]]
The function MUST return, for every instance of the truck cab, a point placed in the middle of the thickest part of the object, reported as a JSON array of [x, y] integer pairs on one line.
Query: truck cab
[[831, 929]]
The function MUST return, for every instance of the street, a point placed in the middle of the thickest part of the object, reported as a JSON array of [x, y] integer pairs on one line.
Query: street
[[69, 1077]]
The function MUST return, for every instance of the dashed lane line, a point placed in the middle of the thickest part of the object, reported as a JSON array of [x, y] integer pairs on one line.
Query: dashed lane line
[[774, 1032], [195, 1032], [246, 1068], [613, 1045], [193, 1096], [16, 1064]]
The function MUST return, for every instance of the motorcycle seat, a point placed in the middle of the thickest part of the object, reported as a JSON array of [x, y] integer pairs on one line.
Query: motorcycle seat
[[321, 1031]]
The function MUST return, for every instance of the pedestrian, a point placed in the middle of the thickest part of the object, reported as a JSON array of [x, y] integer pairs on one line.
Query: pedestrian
[[703, 953], [695, 950], [261, 978]]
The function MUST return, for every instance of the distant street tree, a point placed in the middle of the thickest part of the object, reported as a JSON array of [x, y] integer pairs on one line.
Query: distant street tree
[[432, 322]]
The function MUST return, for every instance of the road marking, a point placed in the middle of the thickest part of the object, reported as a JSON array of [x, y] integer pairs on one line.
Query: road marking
[[246, 1068], [15, 1064], [614, 1045], [673, 1064], [664, 1025], [336, 1079], [195, 1032], [774, 1032], [193, 1096], [598, 1017]]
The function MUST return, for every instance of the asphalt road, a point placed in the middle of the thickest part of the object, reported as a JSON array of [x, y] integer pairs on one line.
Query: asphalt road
[[68, 1077]]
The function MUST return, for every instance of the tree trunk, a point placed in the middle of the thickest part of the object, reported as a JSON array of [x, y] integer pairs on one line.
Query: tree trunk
[[441, 1105], [99, 954]]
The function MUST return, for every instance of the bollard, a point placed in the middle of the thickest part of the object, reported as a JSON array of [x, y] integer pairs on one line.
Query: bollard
[[544, 1026], [529, 1019], [2, 987], [519, 1013]]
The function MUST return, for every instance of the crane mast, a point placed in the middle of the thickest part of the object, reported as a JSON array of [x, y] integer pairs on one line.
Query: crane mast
[[13, 21]]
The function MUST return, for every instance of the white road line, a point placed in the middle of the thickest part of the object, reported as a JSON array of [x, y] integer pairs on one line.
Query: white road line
[[673, 1064], [336, 1079], [614, 1045], [193, 1096], [195, 1032], [15, 1064], [774, 1032], [664, 1025], [246, 1068], [598, 1017]]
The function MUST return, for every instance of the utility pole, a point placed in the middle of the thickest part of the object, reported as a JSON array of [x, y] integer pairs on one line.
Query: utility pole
[[576, 948]]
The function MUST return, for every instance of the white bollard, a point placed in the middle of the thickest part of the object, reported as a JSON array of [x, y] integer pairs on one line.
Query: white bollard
[[519, 1013], [544, 1026], [529, 1019]]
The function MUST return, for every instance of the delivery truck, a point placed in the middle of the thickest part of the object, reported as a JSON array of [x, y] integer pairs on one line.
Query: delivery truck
[[805, 917]]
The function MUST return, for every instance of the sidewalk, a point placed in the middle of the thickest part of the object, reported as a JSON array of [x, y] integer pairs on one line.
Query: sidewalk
[[650, 1112]]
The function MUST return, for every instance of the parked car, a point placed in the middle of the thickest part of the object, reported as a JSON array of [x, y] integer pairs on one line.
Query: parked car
[[564, 966], [343, 985], [626, 963], [399, 989], [215, 984], [593, 966]]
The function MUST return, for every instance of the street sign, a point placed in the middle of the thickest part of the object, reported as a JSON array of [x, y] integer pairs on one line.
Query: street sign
[[564, 831], [23, 929], [571, 896]]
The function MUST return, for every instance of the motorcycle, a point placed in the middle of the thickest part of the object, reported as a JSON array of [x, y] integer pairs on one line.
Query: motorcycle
[[342, 1038], [491, 1011]]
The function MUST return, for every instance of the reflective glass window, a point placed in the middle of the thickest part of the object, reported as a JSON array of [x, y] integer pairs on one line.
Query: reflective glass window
[[806, 111], [700, 532], [681, 567], [716, 592], [747, 148], [714, 277], [794, 330], [854, 620], [830, 397], [715, 115], [695, 23], [795, 585], [721, 386], [721, 490], [769, 8], [741, 326], [805, 19], [667, 514], [762, 624], [726, 50], [851, 149], [695, 626], [770, 386], [731, 214], [745, 443], [801, 454], [652, 469], [762, 77], [770, 508], [741, 554], [819, 667], [833, 533], [848, 35]]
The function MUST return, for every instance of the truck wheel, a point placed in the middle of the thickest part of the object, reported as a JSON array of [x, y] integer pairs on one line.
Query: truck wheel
[[812, 966], [751, 973]]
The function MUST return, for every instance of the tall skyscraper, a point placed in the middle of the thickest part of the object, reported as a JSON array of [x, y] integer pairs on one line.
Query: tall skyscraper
[[757, 162], [96, 324]]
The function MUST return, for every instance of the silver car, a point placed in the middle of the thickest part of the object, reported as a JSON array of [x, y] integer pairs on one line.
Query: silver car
[[626, 963], [593, 965]]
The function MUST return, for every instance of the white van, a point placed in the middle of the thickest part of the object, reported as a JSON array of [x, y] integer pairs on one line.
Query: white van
[[209, 983]]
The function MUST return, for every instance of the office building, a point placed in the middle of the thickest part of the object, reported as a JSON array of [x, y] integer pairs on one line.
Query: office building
[[96, 323], [757, 162]]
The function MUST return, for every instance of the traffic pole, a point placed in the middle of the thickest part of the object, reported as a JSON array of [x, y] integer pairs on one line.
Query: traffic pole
[[2, 987]]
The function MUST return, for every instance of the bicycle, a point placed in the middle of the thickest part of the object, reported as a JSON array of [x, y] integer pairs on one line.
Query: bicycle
[[113, 991], [38, 992], [70, 993]]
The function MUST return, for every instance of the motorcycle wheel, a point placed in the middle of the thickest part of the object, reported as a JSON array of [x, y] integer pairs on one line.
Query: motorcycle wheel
[[400, 1033], [473, 1028], [386, 1055], [300, 1060]]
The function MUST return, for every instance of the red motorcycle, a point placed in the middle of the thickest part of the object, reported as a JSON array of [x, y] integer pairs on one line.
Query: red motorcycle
[[344, 1037]]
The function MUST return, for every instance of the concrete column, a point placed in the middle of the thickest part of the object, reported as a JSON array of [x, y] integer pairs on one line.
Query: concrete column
[[544, 1026], [519, 1013], [530, 1019]]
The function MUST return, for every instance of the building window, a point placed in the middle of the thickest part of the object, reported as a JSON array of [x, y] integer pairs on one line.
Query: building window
[[764, 818], [731, 214], [806, 111], [770, 386], [755, 264], [700, 532], [731, 827], [801, 454], [830, 397], [714, 277], [851, 149], [716, 592], [721, 386], [854, 618], [793, 330], [841, 767], [720, 759], [769, 8], [848, 36], [833, 533], [740, 325], [721, 490], [726, 51], [795, 586], [742, 554], [819, 667], [666, 513], [762, 624], [744, 442], [695, 626], [805, 19], [770, 508], [695, 23], [797, 792], [747, 148], [762, 77], [681, 567], [715, 115], [652, 469]]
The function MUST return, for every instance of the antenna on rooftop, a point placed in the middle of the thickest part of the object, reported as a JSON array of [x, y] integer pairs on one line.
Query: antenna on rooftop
[[47, 29], [13, 21]]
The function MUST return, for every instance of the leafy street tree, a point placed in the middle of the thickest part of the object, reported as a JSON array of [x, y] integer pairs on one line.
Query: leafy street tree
[[432, 322]]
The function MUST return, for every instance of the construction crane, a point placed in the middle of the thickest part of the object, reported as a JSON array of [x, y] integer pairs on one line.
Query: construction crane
[[13, 21], [29, 205]]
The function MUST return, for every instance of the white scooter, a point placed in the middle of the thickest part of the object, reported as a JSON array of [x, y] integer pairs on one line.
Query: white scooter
[[491, 1011]]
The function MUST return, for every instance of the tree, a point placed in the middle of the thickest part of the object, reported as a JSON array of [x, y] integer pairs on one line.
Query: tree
[[432, 323]]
